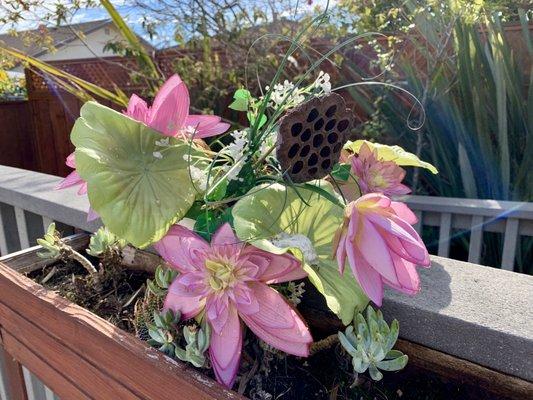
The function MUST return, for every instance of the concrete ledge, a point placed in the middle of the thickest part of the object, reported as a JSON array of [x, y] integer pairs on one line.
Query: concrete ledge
[[477, 313], [35, 192]]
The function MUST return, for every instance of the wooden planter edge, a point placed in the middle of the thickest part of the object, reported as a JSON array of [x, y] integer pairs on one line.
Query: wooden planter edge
[[86, 356]]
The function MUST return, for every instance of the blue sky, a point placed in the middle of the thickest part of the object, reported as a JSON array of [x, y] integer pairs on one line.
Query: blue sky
[[131, 13]]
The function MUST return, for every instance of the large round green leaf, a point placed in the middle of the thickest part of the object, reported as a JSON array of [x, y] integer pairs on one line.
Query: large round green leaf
[[268, 210], [137, 186]]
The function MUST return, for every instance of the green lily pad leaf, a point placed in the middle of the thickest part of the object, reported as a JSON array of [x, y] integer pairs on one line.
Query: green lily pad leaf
[[138, 188], [241, 99], [391, 153], [272, 209]]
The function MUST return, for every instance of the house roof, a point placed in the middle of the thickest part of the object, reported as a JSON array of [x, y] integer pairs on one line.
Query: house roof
[[60, 36]]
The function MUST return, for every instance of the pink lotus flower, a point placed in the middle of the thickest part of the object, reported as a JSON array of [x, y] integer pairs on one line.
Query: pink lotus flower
[[229, 280], [377, 176], [381, 246], [169, 113]]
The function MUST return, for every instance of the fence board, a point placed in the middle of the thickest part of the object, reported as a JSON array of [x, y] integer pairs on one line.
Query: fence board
[[16, 132]]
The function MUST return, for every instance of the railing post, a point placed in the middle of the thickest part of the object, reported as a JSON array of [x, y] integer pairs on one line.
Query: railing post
[[476, 239], [444, 234], [509, 243], [3, 241], [22, 228]]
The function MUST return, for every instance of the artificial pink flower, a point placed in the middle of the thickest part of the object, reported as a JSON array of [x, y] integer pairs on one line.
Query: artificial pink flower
[[377, 176], [381, 245], [74, 179], [229, 280], [169, 113]]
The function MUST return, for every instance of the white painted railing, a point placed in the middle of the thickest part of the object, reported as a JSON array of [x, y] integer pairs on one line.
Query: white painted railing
[[28, 203], [512, 219]]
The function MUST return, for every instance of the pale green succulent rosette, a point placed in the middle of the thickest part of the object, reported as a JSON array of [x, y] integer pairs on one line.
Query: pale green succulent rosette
[[391, 153], [271, 209], [138, 186]]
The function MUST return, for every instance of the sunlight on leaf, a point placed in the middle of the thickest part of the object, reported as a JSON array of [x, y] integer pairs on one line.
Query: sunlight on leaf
[[138, 189], [269, 210], [391, 153]]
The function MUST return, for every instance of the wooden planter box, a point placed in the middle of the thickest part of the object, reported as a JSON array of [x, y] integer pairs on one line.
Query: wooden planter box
[[78, 355]]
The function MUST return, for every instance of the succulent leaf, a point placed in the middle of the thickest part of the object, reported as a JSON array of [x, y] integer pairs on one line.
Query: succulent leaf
[[371, 347]]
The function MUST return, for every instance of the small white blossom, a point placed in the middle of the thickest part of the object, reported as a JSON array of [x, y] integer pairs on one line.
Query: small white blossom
[[163, 142], [281, 91], [236, 151], [199, 177], [157, 154], [323, 82]]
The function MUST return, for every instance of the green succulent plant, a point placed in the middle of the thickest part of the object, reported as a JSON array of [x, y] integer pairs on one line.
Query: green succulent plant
[[103, 242], [166, 337], [50, 243], [163, 277], [370, 341], [197, 339], [54, 248]]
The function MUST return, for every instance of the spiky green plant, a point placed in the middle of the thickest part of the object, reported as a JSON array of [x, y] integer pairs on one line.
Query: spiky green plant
[[370, 341]]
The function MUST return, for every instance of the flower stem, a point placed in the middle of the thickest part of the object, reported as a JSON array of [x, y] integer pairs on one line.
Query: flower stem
[[323, 344], [73, 254]]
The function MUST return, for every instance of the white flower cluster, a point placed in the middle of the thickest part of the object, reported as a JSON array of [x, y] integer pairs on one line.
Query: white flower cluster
[[323, 82], [236, 151], [281, 91], [198, 176]]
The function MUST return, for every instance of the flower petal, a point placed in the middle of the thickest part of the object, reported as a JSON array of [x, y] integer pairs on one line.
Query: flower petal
[[92, 215], [182, 248], [170, 108], [206, 125], [225, 349], [137, 109], [274, 268], [408, 279], [369, 279], [71, 179], [71, 161], [276, 322], [404, 212], [179, 299], [375, 251]]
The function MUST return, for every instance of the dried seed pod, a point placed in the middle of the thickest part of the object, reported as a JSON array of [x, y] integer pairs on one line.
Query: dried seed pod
[[311, 137]]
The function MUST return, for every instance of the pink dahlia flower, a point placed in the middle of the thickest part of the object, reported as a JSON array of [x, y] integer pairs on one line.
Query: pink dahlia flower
[[169, 113], [229, 280], [381, 245], [377, 176]]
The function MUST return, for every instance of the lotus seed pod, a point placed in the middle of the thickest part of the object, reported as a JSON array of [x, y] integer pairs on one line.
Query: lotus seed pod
[[311, 137]]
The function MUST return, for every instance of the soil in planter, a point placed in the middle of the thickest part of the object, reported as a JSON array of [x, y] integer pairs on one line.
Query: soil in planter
[[265, 373], [327, 375], [112, 297]]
